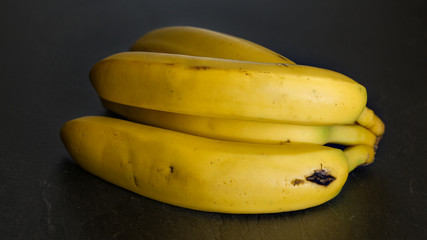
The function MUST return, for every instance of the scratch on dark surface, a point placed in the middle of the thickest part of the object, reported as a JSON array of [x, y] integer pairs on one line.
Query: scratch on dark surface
[[48, 206], [392, 220], [302, 228], [421, 227], [411, 186], [413, 189], [117, 234], [221, 227]]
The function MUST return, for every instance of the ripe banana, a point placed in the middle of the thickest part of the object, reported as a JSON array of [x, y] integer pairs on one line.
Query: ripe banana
[[205, 43], [371, 121], [206, 174], [359, 155], [229, 88], [245, 131]]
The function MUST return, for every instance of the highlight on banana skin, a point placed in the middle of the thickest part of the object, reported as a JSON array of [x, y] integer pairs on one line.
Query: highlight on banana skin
[[213, 122]]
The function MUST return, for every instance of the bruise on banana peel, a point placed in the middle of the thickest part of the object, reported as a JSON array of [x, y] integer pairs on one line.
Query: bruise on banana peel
[[358, 155], [201, 67], [205, 174], [320, 176]]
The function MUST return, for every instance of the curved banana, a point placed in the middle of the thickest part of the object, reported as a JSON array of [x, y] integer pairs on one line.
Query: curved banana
[[205, 43], [371, 121], [206, 174], [359, 155], [229, 88], [245, 131]]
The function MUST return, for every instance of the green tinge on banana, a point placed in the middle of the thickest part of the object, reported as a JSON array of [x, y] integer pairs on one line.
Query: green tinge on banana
[[245, 131]]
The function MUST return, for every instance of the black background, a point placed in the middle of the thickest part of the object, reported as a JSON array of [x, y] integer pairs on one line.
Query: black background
[[48, 47]]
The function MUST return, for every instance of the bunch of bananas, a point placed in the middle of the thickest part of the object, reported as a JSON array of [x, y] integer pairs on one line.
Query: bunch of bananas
[[217, 123]]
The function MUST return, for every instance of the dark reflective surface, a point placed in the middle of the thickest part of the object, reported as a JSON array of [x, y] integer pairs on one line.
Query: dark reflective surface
[[48, 47]]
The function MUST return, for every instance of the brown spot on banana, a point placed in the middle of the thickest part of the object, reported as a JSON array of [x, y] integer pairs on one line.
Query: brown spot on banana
[[135, 181], [297, 181], [321, 177], [201, 67]]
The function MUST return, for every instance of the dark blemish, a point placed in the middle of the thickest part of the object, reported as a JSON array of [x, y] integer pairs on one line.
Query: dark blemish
[[321, 177], [297, 182], [244, 71], [135, 181], [287, 141], [201, 67], [282, 64], [170, 64], [171, 169]]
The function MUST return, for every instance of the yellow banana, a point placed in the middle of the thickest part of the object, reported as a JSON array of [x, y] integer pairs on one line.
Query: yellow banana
[[371, 121], [205, 43], [246, 131], [207, 174], [359, 155], [229, 88]]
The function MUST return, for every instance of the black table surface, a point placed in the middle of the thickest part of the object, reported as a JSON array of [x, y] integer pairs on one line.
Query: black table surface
[[48, 47]]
